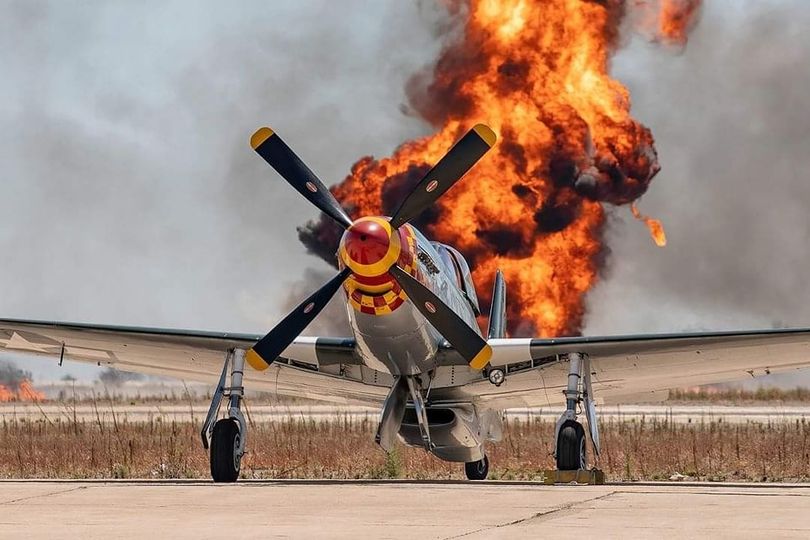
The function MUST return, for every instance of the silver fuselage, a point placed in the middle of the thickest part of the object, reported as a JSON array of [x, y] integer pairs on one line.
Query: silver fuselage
[[404, 342]]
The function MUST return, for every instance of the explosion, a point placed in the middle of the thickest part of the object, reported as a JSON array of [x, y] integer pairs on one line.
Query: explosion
[[537, 73]]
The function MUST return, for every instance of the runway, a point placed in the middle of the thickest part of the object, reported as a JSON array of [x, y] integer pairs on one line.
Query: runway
[[105, 413], [399, 509]]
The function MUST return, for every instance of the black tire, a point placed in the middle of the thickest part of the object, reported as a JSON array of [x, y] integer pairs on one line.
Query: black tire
[[571, 448], [477, 470], [225, 463]]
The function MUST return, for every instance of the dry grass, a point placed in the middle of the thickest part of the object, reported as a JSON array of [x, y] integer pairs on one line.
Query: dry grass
[[305, 449], [738, 395], [199, 394]]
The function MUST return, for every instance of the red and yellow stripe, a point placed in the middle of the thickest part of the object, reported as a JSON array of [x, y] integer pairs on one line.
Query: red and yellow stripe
[[380, 294]]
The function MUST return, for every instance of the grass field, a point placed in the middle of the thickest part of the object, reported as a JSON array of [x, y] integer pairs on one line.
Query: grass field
[[641, 450], [735, 396], [201, 394]]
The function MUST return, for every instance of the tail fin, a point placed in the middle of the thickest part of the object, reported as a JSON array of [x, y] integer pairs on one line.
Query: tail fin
[[497, 312]]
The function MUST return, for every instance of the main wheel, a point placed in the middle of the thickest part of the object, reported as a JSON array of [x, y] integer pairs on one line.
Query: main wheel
[[477, 470], [225, 458], [571, 448]]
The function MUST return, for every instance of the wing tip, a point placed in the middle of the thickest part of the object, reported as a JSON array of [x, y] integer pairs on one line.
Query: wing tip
[[261, 135], [486, 134]]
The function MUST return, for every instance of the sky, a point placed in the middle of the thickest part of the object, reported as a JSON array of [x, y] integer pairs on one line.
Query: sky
[[130, 194]]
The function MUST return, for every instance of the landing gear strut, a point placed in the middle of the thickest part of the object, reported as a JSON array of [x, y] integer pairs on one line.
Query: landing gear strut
[[477, 470], [226, 437], [570, 445]]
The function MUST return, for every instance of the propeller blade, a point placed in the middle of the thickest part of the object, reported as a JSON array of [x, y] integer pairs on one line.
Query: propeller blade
[[449, 170], [267, 349], [463, 338], [269, 145]]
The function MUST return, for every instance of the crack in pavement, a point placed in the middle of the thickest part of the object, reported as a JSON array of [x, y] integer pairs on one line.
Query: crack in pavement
[[720, 493], [41, 495], [542, 516]]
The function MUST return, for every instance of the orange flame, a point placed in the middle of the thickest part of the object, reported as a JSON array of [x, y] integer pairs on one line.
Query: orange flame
[[656, 228], [666, 21], [676, 18], [25, 392], [537, 73]]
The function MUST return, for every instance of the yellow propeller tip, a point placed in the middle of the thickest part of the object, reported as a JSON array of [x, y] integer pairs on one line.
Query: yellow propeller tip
[[255, 361], [261, 135], [486, 133], [482, 358]]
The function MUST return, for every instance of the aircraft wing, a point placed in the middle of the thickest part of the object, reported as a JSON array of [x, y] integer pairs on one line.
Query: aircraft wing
[[641, 368], [319, 368]]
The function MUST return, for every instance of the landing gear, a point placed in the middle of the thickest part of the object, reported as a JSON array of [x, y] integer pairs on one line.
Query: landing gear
[[421, 412], [226, 437], [477, 470], [570, 445]]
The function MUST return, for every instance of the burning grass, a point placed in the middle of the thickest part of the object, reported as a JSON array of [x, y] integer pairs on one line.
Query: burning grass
[[22, 392], [15, 384], [302, 448]]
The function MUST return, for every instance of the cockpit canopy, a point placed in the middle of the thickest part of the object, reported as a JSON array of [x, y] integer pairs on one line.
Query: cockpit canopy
[[454, 262]]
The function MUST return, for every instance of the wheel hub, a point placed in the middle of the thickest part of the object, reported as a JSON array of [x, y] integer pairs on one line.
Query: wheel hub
[[237, 457]]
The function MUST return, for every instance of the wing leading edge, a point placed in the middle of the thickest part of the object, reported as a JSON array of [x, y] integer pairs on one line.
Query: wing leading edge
[[320, 368], [628, 369]]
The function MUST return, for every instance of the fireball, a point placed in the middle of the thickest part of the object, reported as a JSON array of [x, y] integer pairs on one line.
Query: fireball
[[537, 72]]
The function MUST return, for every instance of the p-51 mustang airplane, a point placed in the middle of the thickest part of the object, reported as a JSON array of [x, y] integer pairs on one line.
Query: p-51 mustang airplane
[[417, 348]]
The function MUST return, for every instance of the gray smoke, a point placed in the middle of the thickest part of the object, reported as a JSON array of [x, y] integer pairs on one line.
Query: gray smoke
[[130, 194], [731, 119], [12, 376]]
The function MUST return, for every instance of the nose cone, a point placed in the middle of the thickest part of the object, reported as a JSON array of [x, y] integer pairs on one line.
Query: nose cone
[[369, 247], [366, 242]]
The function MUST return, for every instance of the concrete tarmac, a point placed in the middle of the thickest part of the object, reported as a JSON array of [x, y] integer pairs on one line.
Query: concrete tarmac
[[399, 509]]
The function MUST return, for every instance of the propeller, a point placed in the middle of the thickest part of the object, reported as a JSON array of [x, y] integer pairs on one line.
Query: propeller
[[461, 336], [449, 170], [281, 157], [380, 235], [267, 349]]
